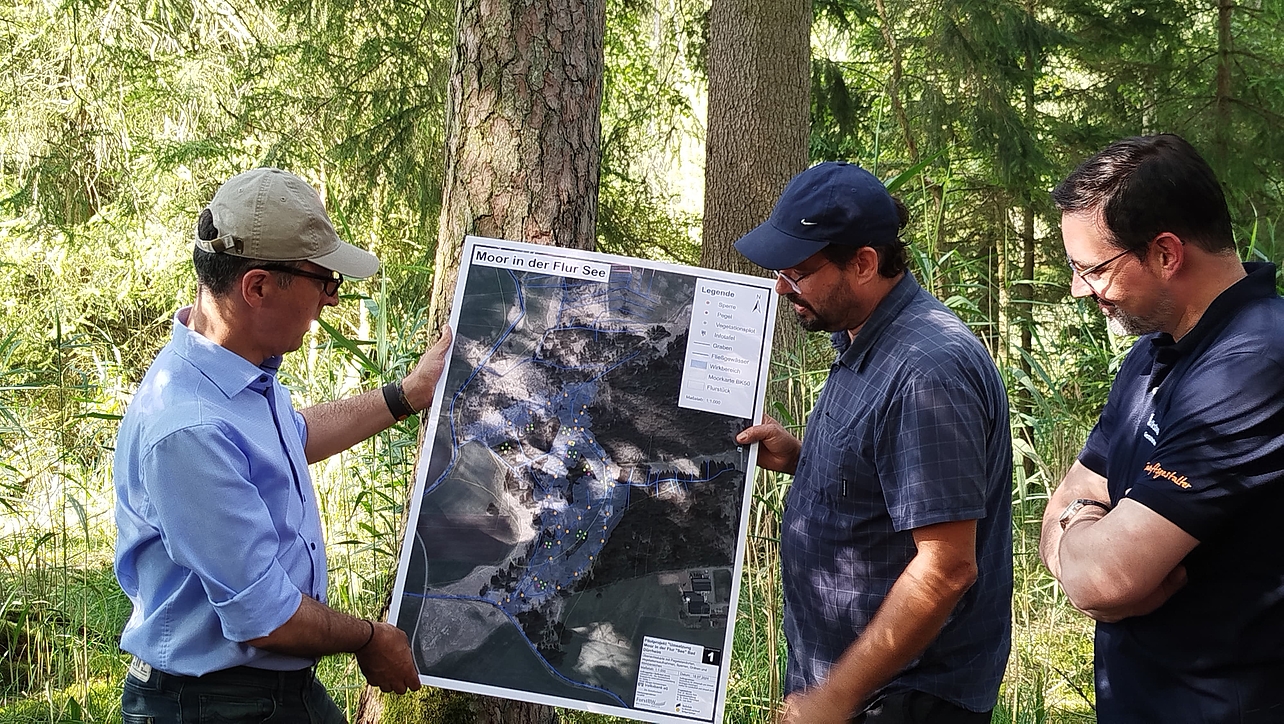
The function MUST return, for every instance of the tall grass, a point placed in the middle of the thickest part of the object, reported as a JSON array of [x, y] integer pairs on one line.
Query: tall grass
[[60, 607]]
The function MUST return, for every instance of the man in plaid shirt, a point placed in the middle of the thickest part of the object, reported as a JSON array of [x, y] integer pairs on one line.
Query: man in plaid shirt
[[896, 542]]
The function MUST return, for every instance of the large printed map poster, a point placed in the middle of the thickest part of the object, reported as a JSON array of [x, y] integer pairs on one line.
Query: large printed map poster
[[577, 525]]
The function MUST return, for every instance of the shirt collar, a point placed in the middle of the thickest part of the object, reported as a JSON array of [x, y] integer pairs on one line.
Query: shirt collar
[[1259, 283], [852, 351], [230, 372]]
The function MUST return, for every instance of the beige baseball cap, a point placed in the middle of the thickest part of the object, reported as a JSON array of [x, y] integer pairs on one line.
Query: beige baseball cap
[[273, 215]]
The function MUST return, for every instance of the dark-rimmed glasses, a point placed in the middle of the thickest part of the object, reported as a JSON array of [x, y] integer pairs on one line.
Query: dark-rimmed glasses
[[330, 283], [1096, 269], [792, 282]]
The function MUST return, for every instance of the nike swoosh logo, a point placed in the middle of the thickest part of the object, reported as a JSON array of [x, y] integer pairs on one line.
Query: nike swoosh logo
[[805, 222]]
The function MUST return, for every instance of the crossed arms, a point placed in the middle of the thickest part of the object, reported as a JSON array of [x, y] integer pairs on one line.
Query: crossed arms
[[1116, 564]]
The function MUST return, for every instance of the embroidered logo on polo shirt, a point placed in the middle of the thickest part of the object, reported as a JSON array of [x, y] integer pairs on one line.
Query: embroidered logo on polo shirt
[[1157, 471], [1154, 427]]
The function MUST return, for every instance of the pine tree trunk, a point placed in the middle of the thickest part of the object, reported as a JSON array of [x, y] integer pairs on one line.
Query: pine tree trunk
[[523, 148], [1025, 313], [756, 141], [1025, 290], [759, 60], [1222, 113], [523, 130], [998, 294], [936, 234]]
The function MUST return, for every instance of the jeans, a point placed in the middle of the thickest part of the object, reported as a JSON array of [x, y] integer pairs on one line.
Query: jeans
[[240, 695], [917, 707]]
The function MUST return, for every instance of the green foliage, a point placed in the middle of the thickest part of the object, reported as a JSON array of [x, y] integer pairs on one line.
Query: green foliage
[[648, 120]]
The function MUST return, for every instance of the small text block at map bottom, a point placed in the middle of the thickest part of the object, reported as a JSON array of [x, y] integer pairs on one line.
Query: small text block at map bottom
[[676, 678]]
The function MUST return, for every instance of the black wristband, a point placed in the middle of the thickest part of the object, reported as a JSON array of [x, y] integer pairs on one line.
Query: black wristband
[[395, 398], [368, 638]]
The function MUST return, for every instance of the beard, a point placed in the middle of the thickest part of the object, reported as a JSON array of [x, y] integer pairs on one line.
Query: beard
[[817, 321], [1124, 324]]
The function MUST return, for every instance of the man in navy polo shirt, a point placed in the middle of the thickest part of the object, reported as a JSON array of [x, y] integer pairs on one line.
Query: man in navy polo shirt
[[896, 543], [1166, 528]]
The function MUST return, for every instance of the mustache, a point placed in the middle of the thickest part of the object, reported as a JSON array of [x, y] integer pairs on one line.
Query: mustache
[[795, 299], [1101, 303]]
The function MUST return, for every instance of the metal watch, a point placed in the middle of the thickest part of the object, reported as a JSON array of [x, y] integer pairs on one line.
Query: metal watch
[[1073, 509]]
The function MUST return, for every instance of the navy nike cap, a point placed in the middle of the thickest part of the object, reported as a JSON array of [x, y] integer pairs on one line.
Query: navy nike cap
[[834, 202]]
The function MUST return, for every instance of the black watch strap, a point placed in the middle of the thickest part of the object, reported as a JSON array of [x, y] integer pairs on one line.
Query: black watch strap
[[394, 396]]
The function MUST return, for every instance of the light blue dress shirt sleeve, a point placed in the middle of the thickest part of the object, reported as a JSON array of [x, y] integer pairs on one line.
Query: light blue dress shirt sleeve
[[213, 521], [302, 425]]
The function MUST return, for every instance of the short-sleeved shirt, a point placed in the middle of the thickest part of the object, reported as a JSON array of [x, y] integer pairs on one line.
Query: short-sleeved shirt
[[218, 531], [1194, 430], [910, 430]]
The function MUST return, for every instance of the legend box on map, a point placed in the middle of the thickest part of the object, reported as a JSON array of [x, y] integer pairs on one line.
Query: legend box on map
[[724, 348]]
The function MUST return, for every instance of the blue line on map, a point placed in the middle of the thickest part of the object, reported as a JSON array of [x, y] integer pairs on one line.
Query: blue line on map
[[544, 661], [521, 306]]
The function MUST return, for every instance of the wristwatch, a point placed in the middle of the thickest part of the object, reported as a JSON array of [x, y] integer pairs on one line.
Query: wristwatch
[[1078, 505]]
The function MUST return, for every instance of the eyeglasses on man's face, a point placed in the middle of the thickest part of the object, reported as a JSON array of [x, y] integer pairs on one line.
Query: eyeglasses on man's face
[[1094, 272], [793, 282], [330, 283]]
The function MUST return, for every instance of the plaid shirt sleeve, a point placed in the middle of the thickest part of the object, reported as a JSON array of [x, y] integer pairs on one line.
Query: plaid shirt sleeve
[[934, 450]]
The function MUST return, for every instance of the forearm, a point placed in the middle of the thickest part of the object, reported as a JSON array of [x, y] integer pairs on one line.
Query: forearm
[[1087, 580], [1122, 563], [910, 618], [316, 630], [336, 426], [1079, 482]]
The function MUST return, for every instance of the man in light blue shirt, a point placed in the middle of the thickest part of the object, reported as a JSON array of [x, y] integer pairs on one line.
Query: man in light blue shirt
[[219, 543]]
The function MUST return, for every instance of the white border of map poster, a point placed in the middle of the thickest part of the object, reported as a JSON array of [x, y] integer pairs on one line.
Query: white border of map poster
[[562, 473]]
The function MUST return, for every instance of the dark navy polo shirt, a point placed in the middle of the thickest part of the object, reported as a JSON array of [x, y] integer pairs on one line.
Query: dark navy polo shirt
[[911, 429], [1194, 430]]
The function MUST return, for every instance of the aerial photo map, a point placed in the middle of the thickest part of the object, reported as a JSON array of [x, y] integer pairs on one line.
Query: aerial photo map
[[577, 523]]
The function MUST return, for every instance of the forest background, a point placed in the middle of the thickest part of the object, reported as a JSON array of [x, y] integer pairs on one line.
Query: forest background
[[119, 118]]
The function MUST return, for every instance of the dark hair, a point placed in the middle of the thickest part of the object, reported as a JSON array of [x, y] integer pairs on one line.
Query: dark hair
[[1146, 185], [892, 258], [217, 273]]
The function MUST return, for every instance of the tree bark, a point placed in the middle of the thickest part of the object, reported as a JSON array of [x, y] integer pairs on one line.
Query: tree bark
[[756, 134], [523, 130], [523, 149], [1025, 315], [1222, 114], [757, 126], [1025, 290]]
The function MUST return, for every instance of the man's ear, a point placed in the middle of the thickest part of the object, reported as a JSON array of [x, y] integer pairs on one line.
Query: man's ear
[[254, 285], [867, 262], [1168, 254]]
